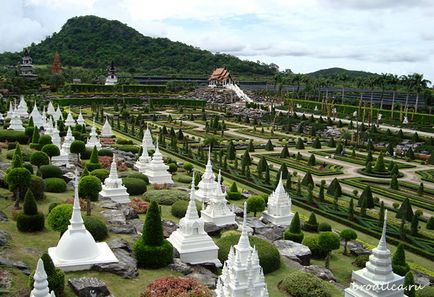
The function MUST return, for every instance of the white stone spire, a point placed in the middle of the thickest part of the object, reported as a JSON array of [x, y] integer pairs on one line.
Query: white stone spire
[[243, 243], [143, 161], [191, 212], [147, 139], [377, 278], [76, 221], [40, 284], [69, 119], [80, 119], [207, 185], [10, 111], [22, 108], [113, 188], [50, 108], [279, 204], [106, 129], [157, 170], [93, 140], [57, 115], [55, 136], [16, 123]]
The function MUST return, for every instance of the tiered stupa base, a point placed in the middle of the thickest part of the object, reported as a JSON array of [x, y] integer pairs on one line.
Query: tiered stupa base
[[360, 283], [159, 179], [278, 220], [219, 220], [118, 195]]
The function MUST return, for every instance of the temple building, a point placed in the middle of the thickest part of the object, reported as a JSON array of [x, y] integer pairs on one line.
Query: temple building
[[278, 209], [377, 278], [242, 275], [16, 124], [36, 117], [93, 140], [147, 140], [113, 188], [191, 241], [26, 67], [220, 77], [80, 119], [111, 79], [56, 68], [22, 108]]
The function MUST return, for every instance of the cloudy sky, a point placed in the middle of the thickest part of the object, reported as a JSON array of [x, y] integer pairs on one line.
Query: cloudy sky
[[303, 35]]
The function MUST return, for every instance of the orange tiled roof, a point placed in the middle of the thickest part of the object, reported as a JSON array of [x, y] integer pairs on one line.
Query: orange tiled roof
[[220, 74]]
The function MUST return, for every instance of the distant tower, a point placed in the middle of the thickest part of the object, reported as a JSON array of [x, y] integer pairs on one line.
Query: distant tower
[[56, 68], [26, 67], [111, 79]]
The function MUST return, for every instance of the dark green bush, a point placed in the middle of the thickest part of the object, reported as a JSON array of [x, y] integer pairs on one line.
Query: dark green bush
[[105, 152], [311, 241], [233, 195], [135, 186], [38, 187], [165, 197], [92, 166], [128, 148], [29, 167], [102, 174], [13, 136], [25, 153], [182, 178], [86, 154], [48, 171], [52, 205], [153, 256], [361, 260], [55, 185], [30, 223], [44, 140], [269, 256], [59, 216], [312, 224], [139, 176], [302, 284], [179, 208], [323, 227], [123, 141], [96, 227]]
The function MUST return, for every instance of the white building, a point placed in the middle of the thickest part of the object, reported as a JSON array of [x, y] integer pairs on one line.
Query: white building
[[157, 170], [93, 140], [144, 160], [69, 122], [191, 241], [80, 119], [113, 188], [207, 184], [106, 129], [147, 140], [16, 123], [37, 117], [22, 108], [377, 278], [242, 275], [278, 210]]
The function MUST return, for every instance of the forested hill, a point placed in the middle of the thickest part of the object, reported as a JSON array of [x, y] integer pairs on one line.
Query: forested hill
[[330, 72], [93, 42]]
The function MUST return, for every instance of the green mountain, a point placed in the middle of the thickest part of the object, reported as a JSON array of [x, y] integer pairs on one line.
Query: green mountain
[[334, 72], [93, 42]]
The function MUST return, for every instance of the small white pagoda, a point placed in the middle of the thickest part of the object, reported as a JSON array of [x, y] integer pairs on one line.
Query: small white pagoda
[[40, 283], [405, 121], [106, 129], [93, 140], [50, 109], [57, 114], [69, 122], [22, 108], [77, 249], [278, 210], [36, 117], [63, 158], [191, 241], [113, 188], [67, 140], [242, 275], [147, 140], [16, 123], [48, 127], [55, 136], [157, 170], [144, 160], [80, 119], [207, 185], [377, 278], [10, 111], [217, 210]]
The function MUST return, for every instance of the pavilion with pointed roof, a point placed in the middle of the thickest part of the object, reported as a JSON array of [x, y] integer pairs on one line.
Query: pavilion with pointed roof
[[220, 77]]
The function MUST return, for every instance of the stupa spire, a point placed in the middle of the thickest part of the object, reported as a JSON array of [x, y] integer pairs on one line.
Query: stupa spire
[[113, 168], [191, 212], [40, 284], [76, 220], [243, 243], [382, 245]]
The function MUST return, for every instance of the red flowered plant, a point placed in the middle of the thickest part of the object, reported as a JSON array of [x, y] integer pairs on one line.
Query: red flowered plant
[[139, 205], [106, 163], [176, 287]]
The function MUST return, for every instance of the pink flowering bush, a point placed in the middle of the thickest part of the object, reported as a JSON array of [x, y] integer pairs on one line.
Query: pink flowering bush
[[139, 205], [176, 287], [106, 163]]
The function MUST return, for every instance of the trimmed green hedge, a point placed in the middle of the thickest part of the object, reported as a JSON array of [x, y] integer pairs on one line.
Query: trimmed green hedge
[[12, 136], [96, 227], [135, 186], [48, 171], [165, 197], [179, 208], [119, 88], [153, 256], [55, 185], [303, 284], [30, 223]]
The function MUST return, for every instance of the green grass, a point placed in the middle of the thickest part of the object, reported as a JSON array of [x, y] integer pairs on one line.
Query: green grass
[[426, 175]]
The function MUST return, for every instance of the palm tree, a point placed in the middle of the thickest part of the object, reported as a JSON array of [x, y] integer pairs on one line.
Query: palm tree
[[343, 77], [297, 79], [419, 84], [407, 82]]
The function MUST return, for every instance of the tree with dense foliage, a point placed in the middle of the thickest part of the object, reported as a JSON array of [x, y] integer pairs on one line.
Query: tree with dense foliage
[[18, 180], [379, 164], [255, 204], [331, 143], [410, 154], [51, 150], [283, 171], [430, 223], [311, 224], [89, 187], [409, 285], [35, 137], [299, 145], [17, 158], [284, 153], [93, 162], [399, 265], [366, 199], [30, 220], [328, 241], [347, 235], [269, 146], [334, 188], [394, 182], [294, 232], [231, 152], [312, 160], [351, 210], [414, 227], [420, 190], [77, 147], [317, 143], [321, 191], [39, 158], [307, 180], [405, 211]]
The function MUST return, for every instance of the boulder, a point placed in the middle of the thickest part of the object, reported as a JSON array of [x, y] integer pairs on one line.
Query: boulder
[[108, 204], [114, 217], [270, 233], [138, 225], [4, 238], [126, 267], [180, 267], [88, 287], [423, 279], [319, 271], [129, 213], [119, 243], [122, 229], [204, 276], [169, 227], [214, 230], [294, 251], [251, 222], [15, 264], [3, 217]]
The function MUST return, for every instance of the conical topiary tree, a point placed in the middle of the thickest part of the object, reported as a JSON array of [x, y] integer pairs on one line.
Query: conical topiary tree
[[394, 182], [299, 145], [231, 152], [420, 190], [321, 191], [30, 220], [311, 224], [351, 210], [339, 148], [409, 285], [379, 164], [399, 265], [269, 146], [312, 160], [17, 159], [405, 211], [294, 231], [430, 223], [307, 179], [332, 142], [334, 189], [366, 199], [410, 154], [317, 143], [284, 171], [251, 147], [93, 162], [284, 153]]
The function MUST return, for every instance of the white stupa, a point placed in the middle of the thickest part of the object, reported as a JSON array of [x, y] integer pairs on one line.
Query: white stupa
[[106, 129], [44, 116], [144, 160], [55, 136], [76, 249], [67, 140], [63, 158], [48, 127], [278, 210], [22, 108], [377, 278], [57, 114], [405, 121], [40, 283], [50, 108], [191, 241], [37, 117], [157, 170], [147, 140], [93, 140], [207, 185], [69, 122], [80, 119], [242, 275], [10, 111], [113, 188], [16, 123], [217, 210]]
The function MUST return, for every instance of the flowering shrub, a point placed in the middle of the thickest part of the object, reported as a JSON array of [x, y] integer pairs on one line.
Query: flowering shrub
[[106, 163], [83, 202], [176, 287], [139, 205], [160, 186]]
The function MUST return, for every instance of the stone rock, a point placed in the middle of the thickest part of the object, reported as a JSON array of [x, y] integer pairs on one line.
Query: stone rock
[[360, 251], [69, 176], [203, 275], [126, 267], [4, 238], [270, 233], [3, 217], [423, 279], [294, 251], [321, 272], [114, 217], [88, 287], [5, 280], [122, 229], [169, 227], [15, 264], [119, 243], [212, 229], [108, 204], [180, 267], [238, 211], [137, 224], [129, 213]]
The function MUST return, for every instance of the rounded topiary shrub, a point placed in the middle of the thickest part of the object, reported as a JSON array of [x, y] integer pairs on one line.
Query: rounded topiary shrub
[[52, 205], [59, 216], [165, 197], [85, 155], [311, 241], [48, 171], [139, 176], [30, 220], [135, 186], [179, 208], [55, 185], [29, 167], [361, 260], [105, 152], [101, 174], [92, 166], [176, 286], [38, 187], [324, 227], [182, 178], [96, 227], [302, 284], [153, 256], [269, 256]]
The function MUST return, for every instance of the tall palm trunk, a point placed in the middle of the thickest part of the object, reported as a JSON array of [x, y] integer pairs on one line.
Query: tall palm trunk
[[343, 94], [417, 101], [393, 104]]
